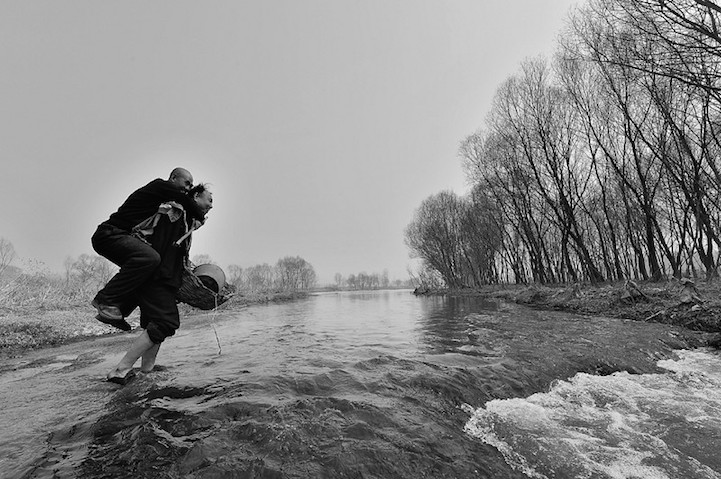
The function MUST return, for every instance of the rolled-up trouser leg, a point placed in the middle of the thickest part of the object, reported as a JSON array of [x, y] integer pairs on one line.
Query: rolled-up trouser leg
[[158, 310], [137, 261]]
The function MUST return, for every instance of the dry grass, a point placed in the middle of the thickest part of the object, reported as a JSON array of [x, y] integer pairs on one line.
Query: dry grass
[[29, 293]]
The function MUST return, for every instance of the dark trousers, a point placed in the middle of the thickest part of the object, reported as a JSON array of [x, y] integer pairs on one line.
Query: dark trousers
[[159, 314], [137, 261]]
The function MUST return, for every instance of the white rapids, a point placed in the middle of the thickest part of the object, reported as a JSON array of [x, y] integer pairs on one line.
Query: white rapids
[[618, 426]]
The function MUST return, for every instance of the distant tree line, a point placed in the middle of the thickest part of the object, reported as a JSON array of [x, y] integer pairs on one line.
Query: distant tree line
[[291, 273], [366, 281], [602, 164]]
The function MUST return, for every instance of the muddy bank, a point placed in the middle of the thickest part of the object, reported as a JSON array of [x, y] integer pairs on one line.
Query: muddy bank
[[693, 305]]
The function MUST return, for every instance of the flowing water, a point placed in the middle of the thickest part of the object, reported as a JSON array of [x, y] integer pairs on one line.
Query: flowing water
[[372, 385]]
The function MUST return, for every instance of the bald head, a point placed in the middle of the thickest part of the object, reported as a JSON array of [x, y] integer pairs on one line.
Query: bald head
[[181, 178]]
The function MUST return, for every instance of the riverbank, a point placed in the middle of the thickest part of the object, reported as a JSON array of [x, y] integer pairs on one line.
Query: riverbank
[[37, 326], [693, 305], [696, 306]]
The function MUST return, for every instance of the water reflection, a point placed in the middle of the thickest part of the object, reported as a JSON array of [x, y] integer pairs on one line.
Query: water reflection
[[453, 324]]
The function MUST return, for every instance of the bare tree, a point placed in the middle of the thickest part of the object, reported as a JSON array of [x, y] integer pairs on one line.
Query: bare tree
[[294, 273], [677, 39], [235, 275], [433, 235], [7, 254], [91, 271], [259, 277]]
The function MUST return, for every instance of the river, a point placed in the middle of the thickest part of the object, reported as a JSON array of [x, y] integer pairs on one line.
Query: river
[[372, 385]]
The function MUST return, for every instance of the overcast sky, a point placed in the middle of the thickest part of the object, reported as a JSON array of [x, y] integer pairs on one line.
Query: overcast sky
[[321, 125]]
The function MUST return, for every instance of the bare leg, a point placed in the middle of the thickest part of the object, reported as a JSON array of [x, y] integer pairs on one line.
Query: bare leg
[[148, 362], [141, 344]]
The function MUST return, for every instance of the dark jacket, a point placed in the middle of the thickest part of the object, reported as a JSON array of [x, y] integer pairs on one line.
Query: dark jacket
[[144, 202], [172, 257]]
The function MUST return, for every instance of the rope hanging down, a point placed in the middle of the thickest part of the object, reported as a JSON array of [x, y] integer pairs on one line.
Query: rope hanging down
[[213, 314]]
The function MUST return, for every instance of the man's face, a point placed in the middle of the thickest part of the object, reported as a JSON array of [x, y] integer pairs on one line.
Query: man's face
[[205, 200], [183, 181]]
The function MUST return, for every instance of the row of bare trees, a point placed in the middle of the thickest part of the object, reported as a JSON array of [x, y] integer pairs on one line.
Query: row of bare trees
[[366, 281], [291, 273], [601, 164]]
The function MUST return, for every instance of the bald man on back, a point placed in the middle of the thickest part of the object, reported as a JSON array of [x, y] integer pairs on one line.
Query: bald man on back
[[113, 239]]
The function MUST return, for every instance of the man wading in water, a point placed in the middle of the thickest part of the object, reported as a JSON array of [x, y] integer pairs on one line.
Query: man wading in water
[[150, 263], [168, 232]]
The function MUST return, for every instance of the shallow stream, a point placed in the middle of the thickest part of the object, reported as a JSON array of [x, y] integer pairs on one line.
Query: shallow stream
[[372, 385]]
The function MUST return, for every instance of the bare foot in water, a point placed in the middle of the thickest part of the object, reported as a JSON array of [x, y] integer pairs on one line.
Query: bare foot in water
[[148, 359]]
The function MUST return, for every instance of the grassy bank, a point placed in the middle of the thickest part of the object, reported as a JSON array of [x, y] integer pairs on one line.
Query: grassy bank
[[38, 323]]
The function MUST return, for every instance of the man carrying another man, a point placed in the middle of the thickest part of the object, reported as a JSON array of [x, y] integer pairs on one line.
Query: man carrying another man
[[148, 237], [137, 259]]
